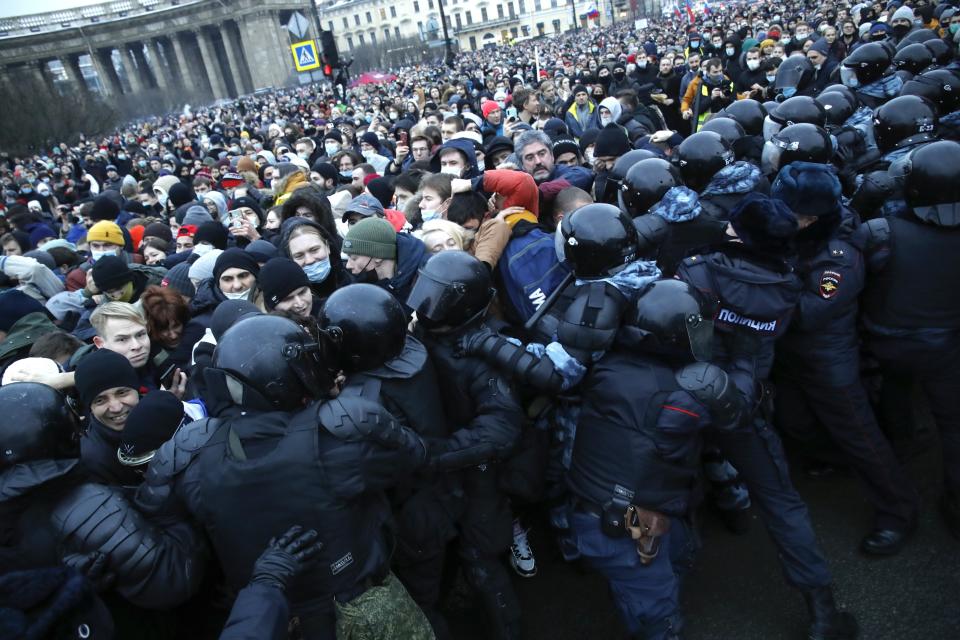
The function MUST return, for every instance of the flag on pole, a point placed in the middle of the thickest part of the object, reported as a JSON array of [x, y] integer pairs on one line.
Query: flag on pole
[[676, 10], [690, 12], [706, 9]]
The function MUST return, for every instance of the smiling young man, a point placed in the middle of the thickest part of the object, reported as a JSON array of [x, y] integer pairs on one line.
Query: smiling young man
[[109, 389]]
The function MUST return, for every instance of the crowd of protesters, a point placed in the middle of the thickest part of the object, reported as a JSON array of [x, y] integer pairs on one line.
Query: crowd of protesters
[[286, 366]]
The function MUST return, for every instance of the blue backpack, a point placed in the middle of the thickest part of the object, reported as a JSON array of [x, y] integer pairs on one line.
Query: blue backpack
[[529, 271]]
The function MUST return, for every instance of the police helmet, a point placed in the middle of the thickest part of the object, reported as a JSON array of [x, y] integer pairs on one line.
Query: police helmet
[[749, 113], [942, 52], [849, 93], [701, 156], [645, 184], [917, 36], [865, 64], [598, 240], [728, 128], [798, 142], [837, 107], [793, 111], [369, 324], [275, 358], [913, 58], [672, 318], [794, 75], [903, 121], [940, 86], [932, 183], [38, 424], [453, 290]]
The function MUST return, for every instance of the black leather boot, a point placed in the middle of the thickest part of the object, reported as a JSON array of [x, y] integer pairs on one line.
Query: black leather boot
[[826, 621]]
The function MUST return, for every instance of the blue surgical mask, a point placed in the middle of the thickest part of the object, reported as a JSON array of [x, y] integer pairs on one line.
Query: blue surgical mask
[[955, 27], [96, 255], [429, 214], [788, 92], [771, 79], [318, 271], [347, 174]]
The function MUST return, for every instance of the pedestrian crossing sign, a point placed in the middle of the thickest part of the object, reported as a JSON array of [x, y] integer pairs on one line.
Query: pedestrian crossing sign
[[305, 55]]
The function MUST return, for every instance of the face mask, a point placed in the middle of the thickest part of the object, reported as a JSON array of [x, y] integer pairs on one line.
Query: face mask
[[96, 255], [393, 115], [802, 35], [771, 79], [588, 156], [632, 67], [451, 171], [901, 30], [955, 27], [368, 154], [304, 156], [141, 163], [318, 271], [788, 92], [162, 198], [235, 150], [239, 295], [785, 40], [694, 44], [619, 75], [121, 157], [753, 65], [347, 174], [429, 214], [730, 51], [849, 77], [202, 249], [605, 120], [331, 149], [367, 277]]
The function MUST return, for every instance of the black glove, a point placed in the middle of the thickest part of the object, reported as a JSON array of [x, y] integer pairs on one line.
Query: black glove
[[472, 343], [93, 566], [285, 557]]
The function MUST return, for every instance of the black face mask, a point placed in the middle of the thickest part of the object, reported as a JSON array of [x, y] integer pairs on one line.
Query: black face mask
[[901, 30], [619, 75]]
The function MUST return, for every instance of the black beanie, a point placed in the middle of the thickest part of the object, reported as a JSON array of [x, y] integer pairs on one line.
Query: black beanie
[[250, 203], [213, 233], [180, 194], [15, 304], [234, 258], [151, 423], [228, 313], [382, 190], [326, 170], [588, 138], [104, 208], [612, 141], [279, 278], [158, 230], [111, 272], [101, 370]]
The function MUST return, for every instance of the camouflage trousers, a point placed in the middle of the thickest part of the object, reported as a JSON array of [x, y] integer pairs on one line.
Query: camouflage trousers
[[385, 612]]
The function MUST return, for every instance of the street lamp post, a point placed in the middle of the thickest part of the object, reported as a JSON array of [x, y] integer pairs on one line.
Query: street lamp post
[[448, 55], [573, 15]]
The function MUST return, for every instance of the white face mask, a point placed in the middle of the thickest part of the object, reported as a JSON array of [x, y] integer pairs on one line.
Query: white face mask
[[451, 171], [96, 255], [753, 65], [605, 120], [368, 154], [238, 295], [202, 249], [730, 51]]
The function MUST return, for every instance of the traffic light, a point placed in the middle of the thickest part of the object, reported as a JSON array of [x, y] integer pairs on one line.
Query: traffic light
[[328, 48], [328, 71]]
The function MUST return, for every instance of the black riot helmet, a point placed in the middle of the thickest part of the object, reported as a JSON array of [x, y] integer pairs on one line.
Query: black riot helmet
[[749, 113], [932, 184], [913, 58], [652, 231], [700, 157], [850, 94], [919, 35], [728, 128], [672, 318], [369, 324], [275, 358], [645, 183], [837, 107], [38, 424], [903, 121], [598, 240], [794, 111], [867, 63], [941, 51], [794, 75], [453, 290], [798, 142], [627, 160], [940, 86]]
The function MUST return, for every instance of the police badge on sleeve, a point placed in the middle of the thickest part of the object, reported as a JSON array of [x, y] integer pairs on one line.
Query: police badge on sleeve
[[830, 284]]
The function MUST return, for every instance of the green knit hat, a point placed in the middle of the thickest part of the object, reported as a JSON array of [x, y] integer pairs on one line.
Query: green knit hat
[[372, 237]]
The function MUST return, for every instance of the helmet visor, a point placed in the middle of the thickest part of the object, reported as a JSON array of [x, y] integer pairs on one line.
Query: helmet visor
[[770, 158], [770, 127], [700, 335], [433, 298], [848, 77]]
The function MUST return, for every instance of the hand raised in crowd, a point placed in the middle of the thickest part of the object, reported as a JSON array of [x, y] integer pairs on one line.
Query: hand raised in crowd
[[244, 229]]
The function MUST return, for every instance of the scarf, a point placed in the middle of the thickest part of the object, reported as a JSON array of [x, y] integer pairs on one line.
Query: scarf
[[739, 177], [884, 88], [679, 204]]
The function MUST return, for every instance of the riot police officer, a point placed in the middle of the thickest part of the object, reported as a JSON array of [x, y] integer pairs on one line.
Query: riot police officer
[[758, 290], [910, 308], [451, 297], [50, 508], [266, 439], [376, 353], [635, 460], [818, 359], [867, 71]]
